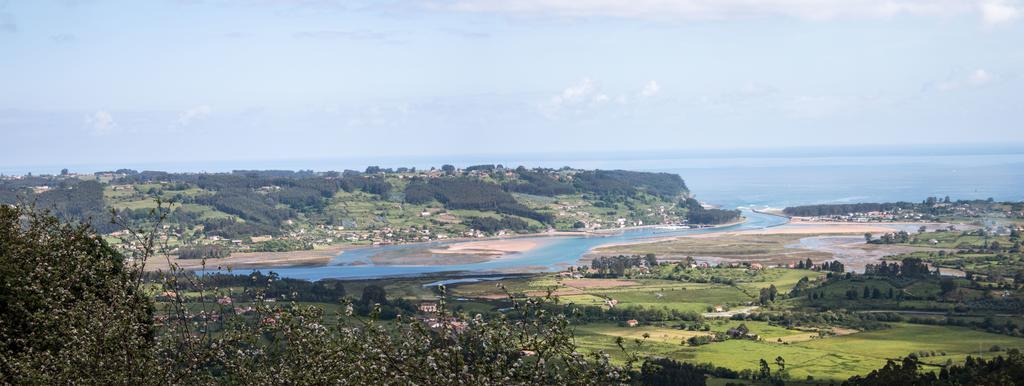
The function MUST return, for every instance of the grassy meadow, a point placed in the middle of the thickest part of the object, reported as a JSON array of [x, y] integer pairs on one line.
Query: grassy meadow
[[811, 354]]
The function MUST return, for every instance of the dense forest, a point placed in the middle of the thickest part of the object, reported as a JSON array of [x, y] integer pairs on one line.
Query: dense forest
[[73, 200], [468, 193], [541, 184], [616, 266], [491, 225], [629, 183], [262, 199], [247, 205], [696, 214]]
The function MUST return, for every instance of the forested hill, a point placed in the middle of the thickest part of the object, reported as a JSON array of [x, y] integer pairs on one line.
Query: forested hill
[[839, 209], [622, 182], [375, 205], [929, 208]]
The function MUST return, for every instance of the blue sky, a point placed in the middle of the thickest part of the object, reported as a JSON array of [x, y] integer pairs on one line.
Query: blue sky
[[108, 82]]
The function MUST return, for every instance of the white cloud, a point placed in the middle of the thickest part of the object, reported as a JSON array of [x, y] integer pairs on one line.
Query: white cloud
[[101, 122], [995, 12], [192, 115], [650, 89], [582, 94], [586, 96], [575, 93], [577, 97], [990, 10]]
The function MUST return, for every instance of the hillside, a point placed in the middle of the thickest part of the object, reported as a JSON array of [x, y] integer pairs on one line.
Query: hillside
[[272, 210]]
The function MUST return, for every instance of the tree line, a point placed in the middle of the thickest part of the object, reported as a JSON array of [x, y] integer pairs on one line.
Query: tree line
[[538, 183], [931, 206], [68, 199], [696, 214], [909, 267], [203, 252], [629, 183], [492, 225], [616, 266]]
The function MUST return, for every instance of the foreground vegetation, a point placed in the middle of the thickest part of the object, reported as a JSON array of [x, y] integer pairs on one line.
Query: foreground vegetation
[[76, 310]]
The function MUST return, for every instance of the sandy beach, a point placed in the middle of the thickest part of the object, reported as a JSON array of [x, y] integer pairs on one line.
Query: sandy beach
[[462, 252], [489, 247], [814, 228], [817, 241], [252, 259], [657, 239], [855, 254], [471, 251]]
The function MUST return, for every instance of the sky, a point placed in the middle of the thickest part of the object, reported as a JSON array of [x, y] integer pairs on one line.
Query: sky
[[115, 82]]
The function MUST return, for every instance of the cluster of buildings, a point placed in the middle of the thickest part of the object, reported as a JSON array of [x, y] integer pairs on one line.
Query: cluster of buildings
[[933, 211], [876, 216], [429, 316], [590, 221]]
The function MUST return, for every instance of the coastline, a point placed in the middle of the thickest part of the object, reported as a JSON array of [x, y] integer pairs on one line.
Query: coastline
[[454, 251], [458, 253], [814, 228], [659, 239], [315, 257], [772, 211], [467, 250], [470, 250]]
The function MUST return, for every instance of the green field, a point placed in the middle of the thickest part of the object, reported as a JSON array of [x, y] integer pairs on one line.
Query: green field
[[840, 354], [833, 358], [771, 248]]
